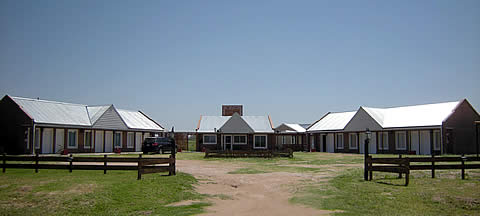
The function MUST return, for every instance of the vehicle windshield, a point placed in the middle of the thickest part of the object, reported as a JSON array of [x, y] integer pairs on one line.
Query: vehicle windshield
[[150, 140]]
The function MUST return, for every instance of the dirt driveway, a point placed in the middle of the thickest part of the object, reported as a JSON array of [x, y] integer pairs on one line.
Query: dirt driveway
[[250, 194]]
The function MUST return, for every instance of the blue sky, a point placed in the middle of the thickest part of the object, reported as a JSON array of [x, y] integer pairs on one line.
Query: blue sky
[[294, 60]]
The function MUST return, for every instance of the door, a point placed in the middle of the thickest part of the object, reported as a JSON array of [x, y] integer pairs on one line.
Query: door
[[227, 142], [108, 141], [59, 140], [138, 141], [361, 145], [330, 143], [312, 142], [324, 143], [98, 141], [414, 142], [47, 141], [425, 142], [372, 146]]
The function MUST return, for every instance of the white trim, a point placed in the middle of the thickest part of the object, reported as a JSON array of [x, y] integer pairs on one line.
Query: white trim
[[240, 143], [85, 139], [266, 142], [342, 139], [210, 143], [397, 133], [350, 140], [68, 139], [132, 145], [121, 139]]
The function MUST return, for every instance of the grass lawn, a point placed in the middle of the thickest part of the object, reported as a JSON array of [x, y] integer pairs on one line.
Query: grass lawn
[[58, 192]]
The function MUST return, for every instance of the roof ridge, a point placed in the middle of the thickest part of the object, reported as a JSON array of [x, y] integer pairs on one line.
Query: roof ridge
[[47, 101], [458, 101]]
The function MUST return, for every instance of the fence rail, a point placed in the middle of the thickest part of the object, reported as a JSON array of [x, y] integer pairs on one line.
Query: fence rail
[[143, 165], [252, 153], [404, 165]]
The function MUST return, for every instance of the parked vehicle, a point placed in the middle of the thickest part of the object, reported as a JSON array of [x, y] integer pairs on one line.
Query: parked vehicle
[[158, 145]]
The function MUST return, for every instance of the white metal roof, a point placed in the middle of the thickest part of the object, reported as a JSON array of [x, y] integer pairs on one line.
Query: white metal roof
[[297, 128], [412, 116], [260, 124], [137, 120], [332, 121], [52, 112]]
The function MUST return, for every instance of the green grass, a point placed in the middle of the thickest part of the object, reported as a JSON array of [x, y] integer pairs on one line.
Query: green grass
[[386, 195], [247, 171], [58, 192]]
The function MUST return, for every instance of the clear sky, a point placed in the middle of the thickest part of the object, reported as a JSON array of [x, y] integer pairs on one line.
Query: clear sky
[[294, 60]]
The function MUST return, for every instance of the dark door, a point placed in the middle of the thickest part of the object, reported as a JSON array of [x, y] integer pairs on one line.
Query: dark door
[[324, 143]]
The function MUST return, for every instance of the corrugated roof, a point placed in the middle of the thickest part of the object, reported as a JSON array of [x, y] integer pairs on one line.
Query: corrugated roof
[[52, 112], [298, 128], [260, 124], [136, 120], [209, 123], [333, 121], [412, 116]]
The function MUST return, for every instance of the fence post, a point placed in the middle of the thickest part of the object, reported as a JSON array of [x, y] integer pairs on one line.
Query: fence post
[[463, 166], [171, 164], [433, 166], [370, 168], [140, 165], [407, 175], [104, 164], [71, 163], [366, 156], [4, 162], [400, 164], [36, 163]]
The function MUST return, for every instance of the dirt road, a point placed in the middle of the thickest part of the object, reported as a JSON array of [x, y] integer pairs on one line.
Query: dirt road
[[248, 194]]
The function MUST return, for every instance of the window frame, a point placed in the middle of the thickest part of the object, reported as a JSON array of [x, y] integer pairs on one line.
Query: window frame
[[36, 143], [68, 138], [209, 143], [397, 133], [132, 145], [239, 143], [381, 140], [437, 140], [85, 139], [255, 142], [294, 140], [350, 140], [337, 143], [120, 141]]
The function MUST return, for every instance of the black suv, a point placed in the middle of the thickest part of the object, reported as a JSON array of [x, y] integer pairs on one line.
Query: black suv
[[158, 145]]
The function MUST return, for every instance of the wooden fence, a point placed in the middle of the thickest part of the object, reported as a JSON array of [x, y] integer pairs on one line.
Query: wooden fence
[[142, 165], [405, 165], [251, 153]]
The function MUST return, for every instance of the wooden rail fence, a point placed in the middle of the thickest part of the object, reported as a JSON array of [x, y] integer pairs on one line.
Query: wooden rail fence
[[254, 153], [405, 165], [143, 165]]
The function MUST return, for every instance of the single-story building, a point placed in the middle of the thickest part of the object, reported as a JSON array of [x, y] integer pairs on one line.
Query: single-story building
[[421, 129], [235, 132], [291, 136], [41, 126]]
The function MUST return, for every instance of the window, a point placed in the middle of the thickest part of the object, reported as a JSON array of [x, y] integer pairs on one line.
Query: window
[[353, 141], [339, 141], [209, 139], [27, 138], [294, 139], [130, 139], [401, 140], [37, 138], [72, 139], [436, 140], [117, 140], [383, 140], [240, 139], [88, 139], [260, 142], [146, 135]]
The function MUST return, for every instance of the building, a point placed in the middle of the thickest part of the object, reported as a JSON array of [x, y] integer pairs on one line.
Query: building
[[235, 132], [292, 136], [441, 128], [41, 126]]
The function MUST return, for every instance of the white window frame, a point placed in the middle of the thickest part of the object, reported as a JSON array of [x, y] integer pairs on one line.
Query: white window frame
[[350, 141], [239, 143], [337, 144], [294, 140], [437, 141], [255, 142], [121, 139], [284, 140], [381, 141], [397, 135], [85, 139], [76, 139], [130, 143], [210, 143]]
